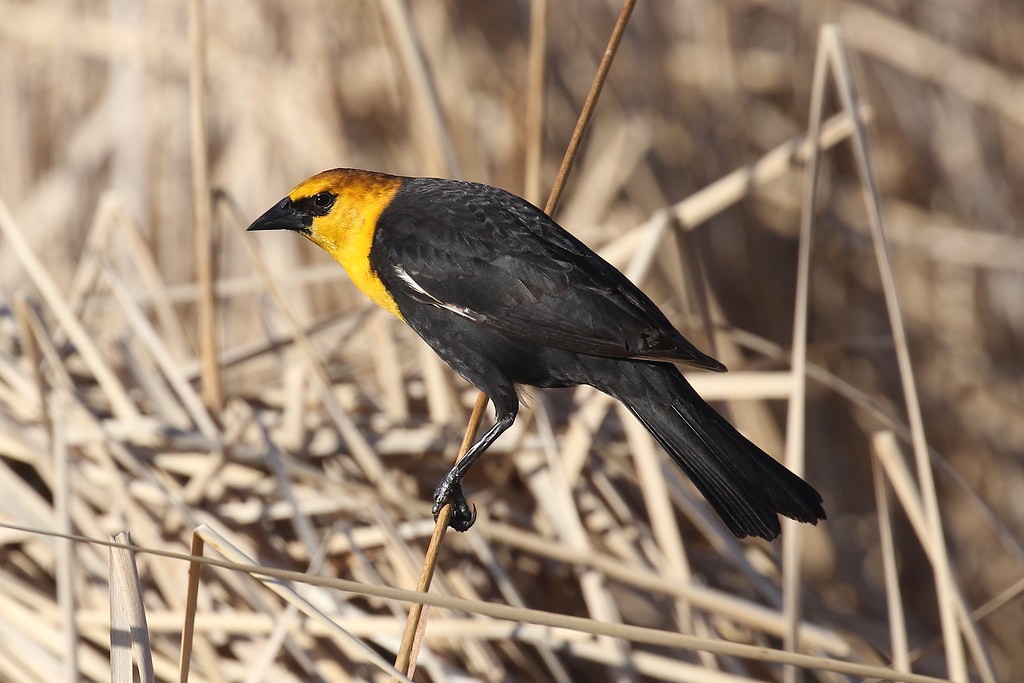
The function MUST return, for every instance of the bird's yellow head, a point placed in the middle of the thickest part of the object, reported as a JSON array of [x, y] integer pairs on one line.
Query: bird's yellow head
[[338, 211]]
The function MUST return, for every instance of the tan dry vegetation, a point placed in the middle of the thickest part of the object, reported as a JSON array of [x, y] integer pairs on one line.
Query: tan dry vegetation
[[338, 422]]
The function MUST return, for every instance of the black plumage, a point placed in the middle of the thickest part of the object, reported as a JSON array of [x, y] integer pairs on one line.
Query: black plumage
[[506, 296]]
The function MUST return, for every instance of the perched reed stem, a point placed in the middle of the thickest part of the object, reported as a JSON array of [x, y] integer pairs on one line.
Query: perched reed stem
[[416, 621]]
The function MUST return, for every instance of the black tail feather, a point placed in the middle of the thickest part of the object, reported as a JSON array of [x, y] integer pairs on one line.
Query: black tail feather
[[746, 486]]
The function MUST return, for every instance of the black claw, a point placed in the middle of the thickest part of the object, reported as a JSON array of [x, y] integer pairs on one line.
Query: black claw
[[462, 516]]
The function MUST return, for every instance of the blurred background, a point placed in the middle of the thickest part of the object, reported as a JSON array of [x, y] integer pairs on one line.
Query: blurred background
[[95, 143]]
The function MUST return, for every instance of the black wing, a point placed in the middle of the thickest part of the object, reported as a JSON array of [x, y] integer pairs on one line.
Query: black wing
[[490, 256]]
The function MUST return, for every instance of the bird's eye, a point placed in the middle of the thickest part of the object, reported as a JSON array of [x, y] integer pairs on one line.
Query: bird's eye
[[323, 201]]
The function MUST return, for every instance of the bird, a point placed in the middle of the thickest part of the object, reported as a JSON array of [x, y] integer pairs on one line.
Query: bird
[[508, 298]]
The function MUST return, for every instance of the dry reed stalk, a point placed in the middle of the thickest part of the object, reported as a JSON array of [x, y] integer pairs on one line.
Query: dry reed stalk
[[943, 239], [389, 369], [191, 606], [439, 160], [589, 105], [128, 509], [743, 386], [485, 554], [554, 494], [91, 355], [893, 595], [413, 634], [104, 219], [626, 632], [536, 82], [259, 669], [196, 408], [31, 346], [912, 500], [733, 187], [405, 660], [797, 407], [661, 668], [164, 622], [708, 599], [546, 479], [848, 94], [659, 508], [353, 646], [832, 59], [1005, 597], [212, 389], [697, 289], [942, 251], [65, 569], [606, 169], [26, 659], [146, 373], [153, 288], [129, 635]]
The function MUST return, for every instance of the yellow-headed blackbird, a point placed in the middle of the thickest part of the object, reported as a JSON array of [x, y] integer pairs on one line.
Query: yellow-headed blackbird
[[506, 296]]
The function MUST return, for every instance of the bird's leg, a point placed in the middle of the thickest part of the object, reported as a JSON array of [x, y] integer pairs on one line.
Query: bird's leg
[[450, 488]]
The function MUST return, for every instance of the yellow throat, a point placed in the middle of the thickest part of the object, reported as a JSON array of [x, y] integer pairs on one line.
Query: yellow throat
[[346, 233]]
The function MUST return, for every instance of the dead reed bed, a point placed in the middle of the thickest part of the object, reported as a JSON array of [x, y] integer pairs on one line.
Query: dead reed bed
[[831, 211]]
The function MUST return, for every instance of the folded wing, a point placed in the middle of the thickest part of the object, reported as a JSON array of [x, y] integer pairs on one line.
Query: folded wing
[[487, 255]]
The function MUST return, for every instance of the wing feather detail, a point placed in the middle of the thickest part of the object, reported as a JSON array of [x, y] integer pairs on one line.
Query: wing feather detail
[[491, 257]]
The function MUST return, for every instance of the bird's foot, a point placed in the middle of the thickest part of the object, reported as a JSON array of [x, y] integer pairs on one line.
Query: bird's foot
[[450, 491]]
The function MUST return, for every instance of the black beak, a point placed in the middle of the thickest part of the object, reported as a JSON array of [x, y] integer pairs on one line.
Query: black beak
[[283, 216]]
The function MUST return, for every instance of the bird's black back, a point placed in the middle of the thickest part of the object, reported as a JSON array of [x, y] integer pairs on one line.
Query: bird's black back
[[500, 261]]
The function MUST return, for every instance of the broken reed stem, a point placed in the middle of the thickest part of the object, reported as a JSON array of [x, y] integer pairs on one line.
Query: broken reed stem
[[191, 606], [416, 623], [129, 634], [212, 391]]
